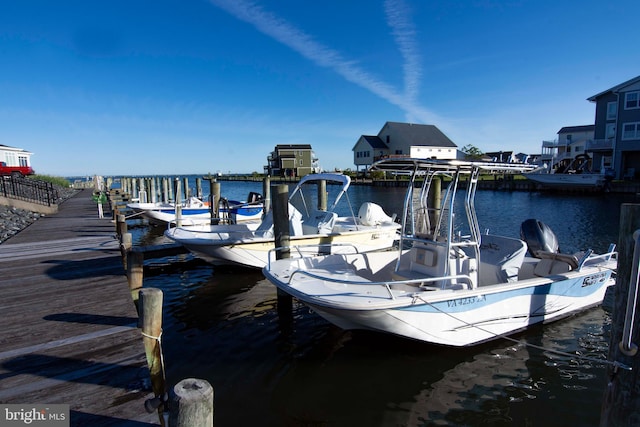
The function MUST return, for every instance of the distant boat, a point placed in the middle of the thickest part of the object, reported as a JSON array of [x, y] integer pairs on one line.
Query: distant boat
[[196, 212], [575, 173]]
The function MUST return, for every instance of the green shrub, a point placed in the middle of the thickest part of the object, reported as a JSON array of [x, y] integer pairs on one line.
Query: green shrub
[[55, 180]]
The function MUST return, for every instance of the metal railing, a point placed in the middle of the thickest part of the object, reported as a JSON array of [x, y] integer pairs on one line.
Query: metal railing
[[30, 190]]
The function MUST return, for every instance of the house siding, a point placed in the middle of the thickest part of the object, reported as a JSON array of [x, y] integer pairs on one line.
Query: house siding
[[626, 151], [291, 160], [13, 156]]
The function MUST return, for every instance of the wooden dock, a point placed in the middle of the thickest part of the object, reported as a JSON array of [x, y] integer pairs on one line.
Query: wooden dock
[[69, 327]]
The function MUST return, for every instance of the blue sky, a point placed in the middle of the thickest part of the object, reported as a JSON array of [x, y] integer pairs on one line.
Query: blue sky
[[195, 86]]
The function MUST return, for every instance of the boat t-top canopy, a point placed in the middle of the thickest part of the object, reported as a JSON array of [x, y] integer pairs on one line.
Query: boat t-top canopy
[[430, 215], [418, 166]]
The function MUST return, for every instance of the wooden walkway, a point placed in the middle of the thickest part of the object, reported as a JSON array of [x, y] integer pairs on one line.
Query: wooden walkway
[[68, 330]]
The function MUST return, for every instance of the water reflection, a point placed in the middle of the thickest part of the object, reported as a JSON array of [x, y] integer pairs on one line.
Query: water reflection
[[222, 325]]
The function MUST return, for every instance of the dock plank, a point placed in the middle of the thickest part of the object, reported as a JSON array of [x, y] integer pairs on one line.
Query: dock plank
[[69, 331]]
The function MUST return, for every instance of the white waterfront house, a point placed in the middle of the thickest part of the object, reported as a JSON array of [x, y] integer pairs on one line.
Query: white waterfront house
[[403, 139], [13, 156]]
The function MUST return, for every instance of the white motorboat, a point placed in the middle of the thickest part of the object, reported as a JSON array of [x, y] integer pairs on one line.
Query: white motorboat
[[194, 211], [448, 283], [575, 173], [371, 230]]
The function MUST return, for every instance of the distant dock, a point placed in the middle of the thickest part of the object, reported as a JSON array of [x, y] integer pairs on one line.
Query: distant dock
[[69, 327]]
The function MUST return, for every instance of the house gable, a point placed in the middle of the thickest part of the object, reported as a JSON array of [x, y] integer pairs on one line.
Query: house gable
[[404, 139]]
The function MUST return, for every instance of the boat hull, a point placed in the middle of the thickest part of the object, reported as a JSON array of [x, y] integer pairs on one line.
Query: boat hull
[[445, 317], [247, 250], [166, 214], [567, 180]]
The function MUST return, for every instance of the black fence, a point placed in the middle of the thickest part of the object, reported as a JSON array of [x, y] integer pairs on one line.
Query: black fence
[[30, 190]]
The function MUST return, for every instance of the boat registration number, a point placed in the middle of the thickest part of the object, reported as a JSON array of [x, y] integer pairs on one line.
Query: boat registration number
[[593, 279], [466, 301]]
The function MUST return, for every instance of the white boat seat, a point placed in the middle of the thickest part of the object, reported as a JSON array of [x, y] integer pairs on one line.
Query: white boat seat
[[549, 267], [500, 259], [265, 229], [424, 261], [319, 222], [571, 260]]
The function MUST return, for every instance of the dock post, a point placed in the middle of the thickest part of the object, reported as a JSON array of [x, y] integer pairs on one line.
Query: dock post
[[165, 190], [121, 225], [151, 309], [282, 241], [199, 188], [322, 195], [177, 203], [266, 190], [135, 274], [191, 404], [126, 242], [622, 396], [153, 191], [215, 201], [187, 190]]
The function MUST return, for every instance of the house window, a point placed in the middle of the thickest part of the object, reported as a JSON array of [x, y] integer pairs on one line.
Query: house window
[[631, 131], [612, 110], [23, 161], [610, 131], [631, 100]]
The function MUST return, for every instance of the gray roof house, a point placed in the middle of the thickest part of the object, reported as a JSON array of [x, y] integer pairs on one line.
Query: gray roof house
[[617, 128], [403, 139], [572, 141]]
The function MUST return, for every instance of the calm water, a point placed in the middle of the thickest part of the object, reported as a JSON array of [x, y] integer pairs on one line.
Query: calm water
[[222, 325]]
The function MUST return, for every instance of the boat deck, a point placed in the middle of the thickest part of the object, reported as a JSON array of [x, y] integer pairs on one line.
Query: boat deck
[[69, 333]]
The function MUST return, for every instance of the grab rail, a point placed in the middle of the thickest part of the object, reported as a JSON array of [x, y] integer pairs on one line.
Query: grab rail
[[321, 245], [386, 284]]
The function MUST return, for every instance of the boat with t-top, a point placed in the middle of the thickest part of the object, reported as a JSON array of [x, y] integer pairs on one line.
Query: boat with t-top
[[448, 283]]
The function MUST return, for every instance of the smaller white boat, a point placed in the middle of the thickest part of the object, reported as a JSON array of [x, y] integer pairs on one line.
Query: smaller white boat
[[447, 283], [194, 211], [576, 173], [371, 230]]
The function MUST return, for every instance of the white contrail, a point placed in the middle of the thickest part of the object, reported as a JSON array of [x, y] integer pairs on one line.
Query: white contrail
[[404, 32], [304, 44]]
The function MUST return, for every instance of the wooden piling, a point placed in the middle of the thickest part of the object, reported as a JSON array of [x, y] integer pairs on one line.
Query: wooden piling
[[282, 242], [126, 243], [187, 190], [151, 309], [215, 200], [266, 193], [191, 404], [121, 226], [322, 195], [199, 188], [135, 274], [177, 201], [622, 395], [281, 221]]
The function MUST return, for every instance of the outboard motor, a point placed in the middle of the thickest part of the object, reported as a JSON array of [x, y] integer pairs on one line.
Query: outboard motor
[[254, 197], [372, 214], [538, 237]]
